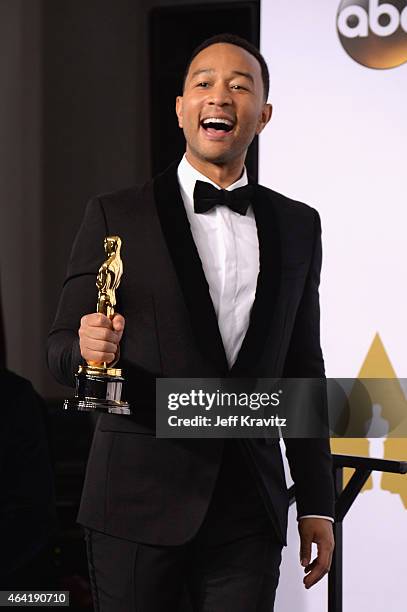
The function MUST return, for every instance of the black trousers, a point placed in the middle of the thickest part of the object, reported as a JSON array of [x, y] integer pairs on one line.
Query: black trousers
[[231, 565]]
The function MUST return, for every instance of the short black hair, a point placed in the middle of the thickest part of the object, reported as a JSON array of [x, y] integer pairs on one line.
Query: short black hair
[[238, 41]]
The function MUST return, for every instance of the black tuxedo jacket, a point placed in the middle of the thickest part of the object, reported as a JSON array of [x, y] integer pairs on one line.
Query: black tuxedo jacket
[[157, 491]]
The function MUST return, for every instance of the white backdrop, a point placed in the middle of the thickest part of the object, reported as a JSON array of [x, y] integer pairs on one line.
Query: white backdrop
[[338, 142]]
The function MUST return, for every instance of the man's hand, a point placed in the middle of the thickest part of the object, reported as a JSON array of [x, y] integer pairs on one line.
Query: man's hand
[[99, 337], [318, 530]]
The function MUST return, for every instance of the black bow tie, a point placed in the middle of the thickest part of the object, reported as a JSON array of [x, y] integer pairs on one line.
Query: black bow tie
[[206, 196]]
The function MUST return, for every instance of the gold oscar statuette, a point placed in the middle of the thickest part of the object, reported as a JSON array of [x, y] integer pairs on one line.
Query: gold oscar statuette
[[99, 385]]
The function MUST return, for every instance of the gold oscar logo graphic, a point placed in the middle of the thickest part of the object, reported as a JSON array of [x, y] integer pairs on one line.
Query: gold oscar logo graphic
[[393, 404], [374, 33]]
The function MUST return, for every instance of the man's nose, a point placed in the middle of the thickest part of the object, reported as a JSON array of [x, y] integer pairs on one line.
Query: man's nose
[[220, 95]]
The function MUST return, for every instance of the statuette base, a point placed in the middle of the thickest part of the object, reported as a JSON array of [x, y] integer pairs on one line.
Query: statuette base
[[98, 389], [89, 404]]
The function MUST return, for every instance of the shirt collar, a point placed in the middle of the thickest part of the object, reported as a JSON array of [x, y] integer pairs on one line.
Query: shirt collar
[[188, 175]]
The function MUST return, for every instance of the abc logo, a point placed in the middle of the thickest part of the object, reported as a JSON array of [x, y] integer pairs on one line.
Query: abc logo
[[374, 33]]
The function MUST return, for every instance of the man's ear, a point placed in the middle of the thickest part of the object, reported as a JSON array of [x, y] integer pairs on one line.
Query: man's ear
[[178, 109], [264, 118]]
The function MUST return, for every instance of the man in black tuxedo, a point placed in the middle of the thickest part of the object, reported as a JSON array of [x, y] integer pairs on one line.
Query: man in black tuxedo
[[214, 285]]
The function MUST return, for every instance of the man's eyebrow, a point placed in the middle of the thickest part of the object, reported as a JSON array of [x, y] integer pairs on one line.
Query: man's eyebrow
[[247, 75], [200, 71]]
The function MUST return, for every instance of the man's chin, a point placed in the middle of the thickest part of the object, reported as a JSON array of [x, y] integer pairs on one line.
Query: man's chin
[[219, 155], [218, 158]]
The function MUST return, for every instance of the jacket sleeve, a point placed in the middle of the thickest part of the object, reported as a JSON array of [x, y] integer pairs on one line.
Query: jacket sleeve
[[310, 459], [79, 295]]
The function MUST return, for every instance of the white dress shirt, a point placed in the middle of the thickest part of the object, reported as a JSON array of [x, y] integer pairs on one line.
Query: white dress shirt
[[228, 246]]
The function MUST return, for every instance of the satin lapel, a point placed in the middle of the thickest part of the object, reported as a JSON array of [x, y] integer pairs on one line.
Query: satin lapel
[[188, 267], [268, 284]]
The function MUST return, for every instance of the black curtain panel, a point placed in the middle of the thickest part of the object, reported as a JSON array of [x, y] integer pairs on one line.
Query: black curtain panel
[[2, 337]]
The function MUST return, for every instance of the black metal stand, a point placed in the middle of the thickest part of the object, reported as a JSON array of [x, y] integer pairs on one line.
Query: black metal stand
[[345, 497]]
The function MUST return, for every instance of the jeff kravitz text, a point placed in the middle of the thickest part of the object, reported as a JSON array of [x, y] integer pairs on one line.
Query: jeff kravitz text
[[230, 421]]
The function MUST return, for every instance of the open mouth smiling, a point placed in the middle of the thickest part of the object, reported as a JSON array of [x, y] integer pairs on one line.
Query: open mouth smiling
[[217, 127]]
